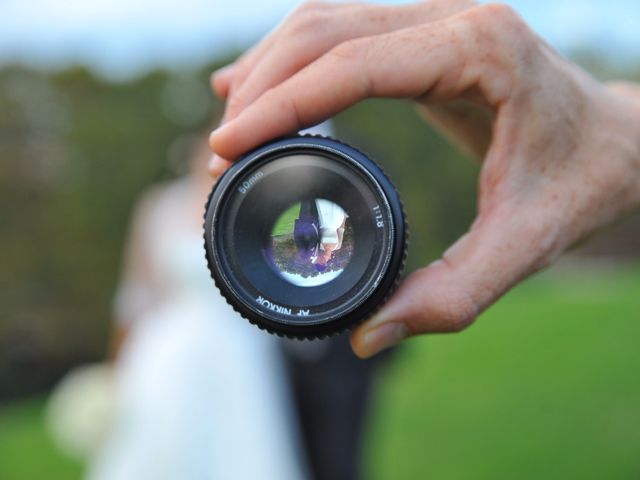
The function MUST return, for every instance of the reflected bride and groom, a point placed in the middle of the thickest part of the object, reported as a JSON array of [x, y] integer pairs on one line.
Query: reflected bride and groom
[[312, 242]]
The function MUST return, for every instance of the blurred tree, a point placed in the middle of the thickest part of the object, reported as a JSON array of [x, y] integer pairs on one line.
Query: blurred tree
[[74, 154]]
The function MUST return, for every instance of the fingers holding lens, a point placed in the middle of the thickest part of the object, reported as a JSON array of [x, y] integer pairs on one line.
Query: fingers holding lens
[[313, 30], [231, 77], [503, 247], [351, 72]]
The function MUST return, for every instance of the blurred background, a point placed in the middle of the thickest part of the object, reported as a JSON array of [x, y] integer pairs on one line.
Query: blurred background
[[100, 100]]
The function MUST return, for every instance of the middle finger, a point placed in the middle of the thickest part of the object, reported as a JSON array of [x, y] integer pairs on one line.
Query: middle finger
[[305, 38]]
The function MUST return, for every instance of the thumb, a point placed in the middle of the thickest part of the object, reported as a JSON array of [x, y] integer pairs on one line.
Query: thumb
[[501, 249]]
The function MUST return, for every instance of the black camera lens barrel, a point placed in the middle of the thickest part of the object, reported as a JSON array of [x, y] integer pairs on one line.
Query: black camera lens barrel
[[305, 236]]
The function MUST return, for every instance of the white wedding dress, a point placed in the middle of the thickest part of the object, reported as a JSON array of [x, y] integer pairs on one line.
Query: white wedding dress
[[201, 393], [331, 218]]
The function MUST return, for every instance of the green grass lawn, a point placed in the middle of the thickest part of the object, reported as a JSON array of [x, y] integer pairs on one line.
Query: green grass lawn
[[546, 385], [285, 223], [26, 452]]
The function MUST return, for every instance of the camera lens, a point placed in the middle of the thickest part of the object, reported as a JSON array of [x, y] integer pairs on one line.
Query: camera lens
[[305, 236]]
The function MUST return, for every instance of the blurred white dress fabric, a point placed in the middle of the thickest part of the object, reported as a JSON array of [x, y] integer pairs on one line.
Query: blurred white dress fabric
[[80, 410], [200, 393], [331, 218]]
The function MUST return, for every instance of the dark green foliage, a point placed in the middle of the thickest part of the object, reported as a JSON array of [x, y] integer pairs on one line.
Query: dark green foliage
[[75, 152]]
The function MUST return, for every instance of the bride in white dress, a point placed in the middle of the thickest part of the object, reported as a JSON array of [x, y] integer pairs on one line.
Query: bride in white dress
[[201, 393]]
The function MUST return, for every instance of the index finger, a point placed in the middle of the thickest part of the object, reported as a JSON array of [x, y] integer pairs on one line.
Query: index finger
[[436, 60]]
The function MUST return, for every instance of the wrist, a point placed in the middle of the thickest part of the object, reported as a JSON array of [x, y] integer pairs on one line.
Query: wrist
[[628, 97]]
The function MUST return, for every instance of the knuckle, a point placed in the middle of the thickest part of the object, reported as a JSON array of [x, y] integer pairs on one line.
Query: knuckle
[[350, 50], [452, 7], [498, 13], [458, 311], [507, 25], [496, 20], [312, 6], [309, 18], [455, 308], [502, 37]]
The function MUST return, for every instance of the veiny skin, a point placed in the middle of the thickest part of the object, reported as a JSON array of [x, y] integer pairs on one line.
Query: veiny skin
[[560, 151]]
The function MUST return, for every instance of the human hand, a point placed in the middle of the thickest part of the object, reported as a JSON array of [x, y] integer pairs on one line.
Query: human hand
[[560, 152]]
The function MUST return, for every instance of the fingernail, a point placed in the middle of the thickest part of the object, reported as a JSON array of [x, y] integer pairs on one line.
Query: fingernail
[[216, 162], [383, 337], [218, 165], [218, 131], [212, 139]]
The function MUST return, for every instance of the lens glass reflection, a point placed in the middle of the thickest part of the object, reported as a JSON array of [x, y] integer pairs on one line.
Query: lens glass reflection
[[311, 242]]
